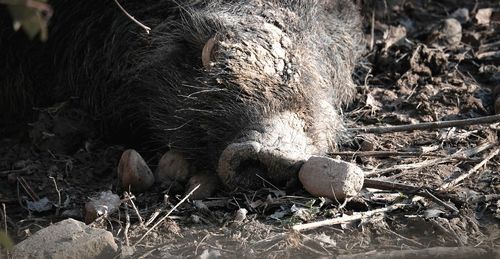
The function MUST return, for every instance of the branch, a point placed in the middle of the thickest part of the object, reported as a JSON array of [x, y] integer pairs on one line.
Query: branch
[[347, 218], [462, 154], [470, 172], [428, 125], [166, 215]]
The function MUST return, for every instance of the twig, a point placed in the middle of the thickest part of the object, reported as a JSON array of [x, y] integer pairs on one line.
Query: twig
[[127, 226], [200, 243], [345, 219], [372, 29], [153, 217], [157, 211], [470, 172], [146, 28], [168, 213], [432, 162], [58, 196], [433, 252], [127, 195], [7, 172], [266, 181], [27, 189], [488, 55], [428, 125], [381, 153], [4, 212], [389, 186], [416, 190], [442, 203], [409, 240]]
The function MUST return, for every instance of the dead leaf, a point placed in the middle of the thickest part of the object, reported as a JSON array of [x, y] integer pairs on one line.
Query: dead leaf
[[483, 16]]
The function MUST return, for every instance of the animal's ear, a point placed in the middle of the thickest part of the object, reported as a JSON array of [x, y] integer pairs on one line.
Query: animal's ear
[[341, 14], [344, 9]]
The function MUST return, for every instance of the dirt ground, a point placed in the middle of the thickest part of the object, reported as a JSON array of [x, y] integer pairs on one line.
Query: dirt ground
[[421, 66]]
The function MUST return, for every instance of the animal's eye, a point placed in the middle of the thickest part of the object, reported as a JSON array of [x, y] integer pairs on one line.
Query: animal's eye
[[207, 55]]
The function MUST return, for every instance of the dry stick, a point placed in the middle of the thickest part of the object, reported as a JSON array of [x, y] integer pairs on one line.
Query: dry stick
[[488, 55], [409, 240], [168, 214], [428, 125], [7, 172], [432, 162], [157, 211], [381, 153], [141, 222], [471, 171], [432, 252], [372, 30], [435, 195], [146, 28], [440, 202], [346, 219], [266, 181], [58, 196], [127, 226], [153, 217], [4, 212], [27, 189], [200, 243]]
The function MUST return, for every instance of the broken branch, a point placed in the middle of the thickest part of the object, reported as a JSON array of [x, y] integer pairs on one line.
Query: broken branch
[[349, 218], [428, 125]]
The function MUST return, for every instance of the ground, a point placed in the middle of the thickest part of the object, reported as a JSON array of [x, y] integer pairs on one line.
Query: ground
[[420, 67]]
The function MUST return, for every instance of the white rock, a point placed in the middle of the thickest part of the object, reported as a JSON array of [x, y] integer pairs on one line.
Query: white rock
[[67, 239], [331, 178]]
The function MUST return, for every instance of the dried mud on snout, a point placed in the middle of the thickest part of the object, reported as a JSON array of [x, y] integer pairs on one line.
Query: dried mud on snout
[[420, 67]]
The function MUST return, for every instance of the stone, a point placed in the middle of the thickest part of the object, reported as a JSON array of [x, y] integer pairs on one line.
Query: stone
[[133, 172], [67, 239], [331, 178], [172, 166]]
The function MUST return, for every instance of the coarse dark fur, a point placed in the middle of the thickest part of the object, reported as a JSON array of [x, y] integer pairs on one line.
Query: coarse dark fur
[[153, 88]]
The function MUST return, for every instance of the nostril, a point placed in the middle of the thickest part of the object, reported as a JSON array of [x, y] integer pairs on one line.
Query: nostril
[[249, 174]]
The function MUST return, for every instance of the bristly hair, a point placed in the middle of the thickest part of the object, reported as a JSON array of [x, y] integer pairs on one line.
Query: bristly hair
[[156, 85]]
